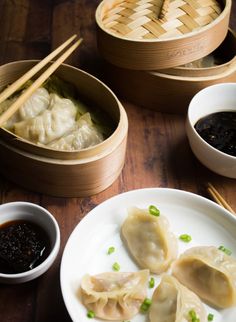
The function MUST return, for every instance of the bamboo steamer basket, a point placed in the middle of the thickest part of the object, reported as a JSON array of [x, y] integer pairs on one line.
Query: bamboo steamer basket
[[171, 90], [63, 173], [131, 34], [224, 55]]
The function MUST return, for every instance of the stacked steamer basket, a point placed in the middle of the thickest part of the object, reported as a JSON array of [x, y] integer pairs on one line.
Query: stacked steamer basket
[[66, 173], [143, 42]]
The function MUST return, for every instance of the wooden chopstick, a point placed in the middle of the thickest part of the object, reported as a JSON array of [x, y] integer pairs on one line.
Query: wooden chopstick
[[23, 79], [164, 9], [216, 196], [36, 84]]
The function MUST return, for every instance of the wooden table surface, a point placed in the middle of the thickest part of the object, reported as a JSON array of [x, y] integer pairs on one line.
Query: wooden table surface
[[158, 154]]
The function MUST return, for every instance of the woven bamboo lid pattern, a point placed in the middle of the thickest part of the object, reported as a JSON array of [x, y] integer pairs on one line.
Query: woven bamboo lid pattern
[[148, 19], [157, 34]]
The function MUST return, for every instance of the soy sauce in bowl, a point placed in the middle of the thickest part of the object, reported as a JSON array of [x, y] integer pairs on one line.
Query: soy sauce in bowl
[[23, 246], [219, 130]]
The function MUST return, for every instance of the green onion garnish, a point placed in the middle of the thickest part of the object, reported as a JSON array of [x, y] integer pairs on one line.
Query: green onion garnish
[[91, 314], [185, 238], [116, 267], [154, 211], [225, 250], [210, 317], [151, 282], [110, 250], [192, 314], [145, 305]]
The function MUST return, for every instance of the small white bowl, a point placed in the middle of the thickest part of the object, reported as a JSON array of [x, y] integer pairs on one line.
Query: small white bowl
[[37, 215], [212, 99]]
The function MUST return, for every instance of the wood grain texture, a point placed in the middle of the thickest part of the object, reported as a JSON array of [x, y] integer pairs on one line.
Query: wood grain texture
[[158, 153]]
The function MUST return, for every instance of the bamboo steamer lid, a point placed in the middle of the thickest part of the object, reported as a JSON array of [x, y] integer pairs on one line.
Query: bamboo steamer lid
[[156, 34]]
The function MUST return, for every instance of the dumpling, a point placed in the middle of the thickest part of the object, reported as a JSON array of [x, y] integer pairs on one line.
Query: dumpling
[[149, 240], [84, 135], [115, 295], [173, 302], [51, 124], [37, 103], [210, 273], [33, 106]]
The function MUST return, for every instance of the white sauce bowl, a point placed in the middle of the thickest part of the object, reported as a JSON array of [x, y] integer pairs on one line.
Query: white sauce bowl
[[212, 99], [41, 217]]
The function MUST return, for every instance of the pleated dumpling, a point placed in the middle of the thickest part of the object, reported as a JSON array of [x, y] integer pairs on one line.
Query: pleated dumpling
[[51, 124], [37, 103], [173, 302], [149, 240], [34, 105], [115, 295], [210, 273], [83, 136]]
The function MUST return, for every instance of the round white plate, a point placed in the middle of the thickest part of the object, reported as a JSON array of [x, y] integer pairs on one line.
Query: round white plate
[[86, 249]]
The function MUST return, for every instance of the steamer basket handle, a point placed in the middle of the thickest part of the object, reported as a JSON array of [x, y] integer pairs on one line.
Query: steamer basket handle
[[164, 9]]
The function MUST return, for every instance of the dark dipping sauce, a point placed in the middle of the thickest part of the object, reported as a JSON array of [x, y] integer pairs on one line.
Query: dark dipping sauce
[[23, 246], [219, 130]]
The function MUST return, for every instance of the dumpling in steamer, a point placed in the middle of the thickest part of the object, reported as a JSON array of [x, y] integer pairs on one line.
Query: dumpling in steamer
[[115, 295], [84, 135], [172, 302], [51, 124], [210, 273], [33, 106], [149, 240], [37, 103]]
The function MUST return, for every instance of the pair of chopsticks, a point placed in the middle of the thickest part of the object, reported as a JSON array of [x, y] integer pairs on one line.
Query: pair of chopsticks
[[216, 196], [39, 81]]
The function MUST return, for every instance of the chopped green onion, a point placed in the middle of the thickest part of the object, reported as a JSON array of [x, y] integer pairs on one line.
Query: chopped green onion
[[151, 282], [225, 250], [110, 250], [91, 314], [154, 211], [185, 238], [192, 314], [210, 317], [116, 267], [145, 305]]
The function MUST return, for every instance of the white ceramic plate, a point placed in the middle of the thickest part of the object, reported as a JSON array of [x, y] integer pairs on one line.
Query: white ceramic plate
[[86, 249]]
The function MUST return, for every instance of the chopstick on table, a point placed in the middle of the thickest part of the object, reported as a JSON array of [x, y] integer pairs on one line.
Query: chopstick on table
[[39, 81], [216, 196]]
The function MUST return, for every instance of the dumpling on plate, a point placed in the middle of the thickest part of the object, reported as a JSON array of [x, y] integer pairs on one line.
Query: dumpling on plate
[[173, 302], [51, 124], [115, 295], [84, 135], [210, 273], [149, 240]]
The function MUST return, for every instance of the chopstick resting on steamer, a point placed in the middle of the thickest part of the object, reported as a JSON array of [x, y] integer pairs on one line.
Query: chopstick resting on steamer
[[218, 198], [39, 81], [164, 9]]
